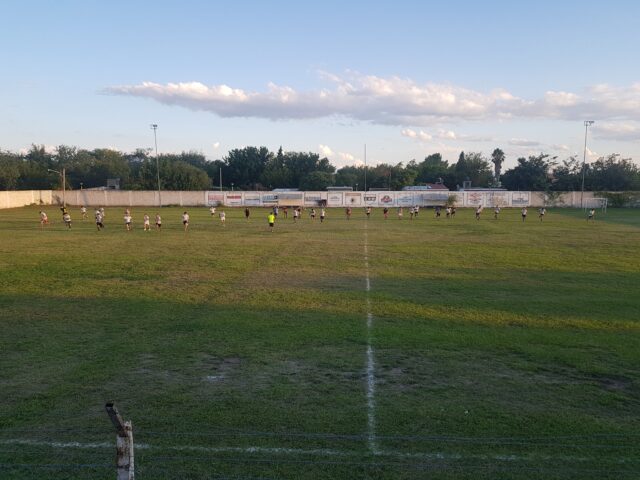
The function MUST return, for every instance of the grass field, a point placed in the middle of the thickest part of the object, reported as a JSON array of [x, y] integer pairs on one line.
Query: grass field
[[483, 349]]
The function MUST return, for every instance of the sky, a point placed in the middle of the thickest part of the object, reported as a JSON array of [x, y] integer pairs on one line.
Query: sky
[[405, 78]]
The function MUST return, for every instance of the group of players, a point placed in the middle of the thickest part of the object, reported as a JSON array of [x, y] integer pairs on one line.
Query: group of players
[[450, 212]]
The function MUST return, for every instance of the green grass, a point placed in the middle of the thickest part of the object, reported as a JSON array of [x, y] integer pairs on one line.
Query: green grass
[[502, 349]]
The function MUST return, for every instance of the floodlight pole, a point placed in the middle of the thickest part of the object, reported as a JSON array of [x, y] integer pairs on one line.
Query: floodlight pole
[[365, 168], [154, 126], [63, 174], [587, 124]]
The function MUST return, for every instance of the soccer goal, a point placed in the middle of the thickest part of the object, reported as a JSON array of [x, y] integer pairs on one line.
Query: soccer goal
[[596, 203]]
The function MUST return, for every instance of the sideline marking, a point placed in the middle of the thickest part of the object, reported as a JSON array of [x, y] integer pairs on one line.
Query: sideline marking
[[371, 378]]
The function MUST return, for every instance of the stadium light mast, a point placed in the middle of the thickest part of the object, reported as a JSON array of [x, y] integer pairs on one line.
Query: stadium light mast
[[63, 174], [365, 168], [154, 126], [587, 124]]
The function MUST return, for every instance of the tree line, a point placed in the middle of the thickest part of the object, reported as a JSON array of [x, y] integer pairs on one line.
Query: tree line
[[258, 168]]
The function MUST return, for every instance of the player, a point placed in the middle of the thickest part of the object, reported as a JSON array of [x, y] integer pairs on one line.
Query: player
[[158, 222], [127, 220], [83, 212], [438, 211], [348, 213], [223, 218], [66, 218], [212, 211], [448, 213], [478, 212], [322, 215], [368, 212], [99, 219], [524, 213], [400, 213], [44, 220], [453, 211], [296, 214], [275, 210], [416, 209], [285, 210], [385, 212], [271, 218], [312, 214], [185, 220], [146, 225], [496, 212], [541, 213], [592, 214], [247, 213]]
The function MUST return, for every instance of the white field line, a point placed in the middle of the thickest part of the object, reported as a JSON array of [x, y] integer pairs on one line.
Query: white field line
[[299, 451], [371, 378]]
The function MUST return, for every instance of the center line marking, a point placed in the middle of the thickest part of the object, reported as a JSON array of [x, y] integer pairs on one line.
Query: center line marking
[[371, 378]]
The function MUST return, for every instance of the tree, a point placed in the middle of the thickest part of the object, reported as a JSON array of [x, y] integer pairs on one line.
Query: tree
[[497, 158], [9, 170], [432, 169], [245, 166], [567, 176], [613, 174], [301, 164], [316, 181], [180, 175], [530, 174], [276, 173], [472, 167]]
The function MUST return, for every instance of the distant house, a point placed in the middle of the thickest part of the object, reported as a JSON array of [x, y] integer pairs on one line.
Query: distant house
[[113, 184]]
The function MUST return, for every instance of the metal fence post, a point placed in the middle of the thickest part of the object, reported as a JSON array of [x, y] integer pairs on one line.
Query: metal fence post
[[124, 444]]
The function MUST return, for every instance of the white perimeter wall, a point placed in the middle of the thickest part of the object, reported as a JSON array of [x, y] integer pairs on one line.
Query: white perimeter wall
[[107, 198], [21, 198]]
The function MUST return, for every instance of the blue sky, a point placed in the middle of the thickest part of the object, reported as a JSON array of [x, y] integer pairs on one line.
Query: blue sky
[[406, 78]]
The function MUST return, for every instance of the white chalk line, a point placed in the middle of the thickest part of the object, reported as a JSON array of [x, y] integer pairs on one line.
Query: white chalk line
[[371, 378], [299, 451]]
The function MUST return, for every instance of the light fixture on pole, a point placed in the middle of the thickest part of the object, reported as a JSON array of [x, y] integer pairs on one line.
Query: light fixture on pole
[[63, 174], [154, 126], [587, 124]]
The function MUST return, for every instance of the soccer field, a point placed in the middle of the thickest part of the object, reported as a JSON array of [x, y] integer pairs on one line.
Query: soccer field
[[357, 348]]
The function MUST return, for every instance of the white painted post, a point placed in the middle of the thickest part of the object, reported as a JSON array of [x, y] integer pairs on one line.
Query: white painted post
[[124, 444]]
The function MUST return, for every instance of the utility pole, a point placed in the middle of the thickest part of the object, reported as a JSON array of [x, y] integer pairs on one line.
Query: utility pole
[[62, 174], [154, 126], [587, 124]]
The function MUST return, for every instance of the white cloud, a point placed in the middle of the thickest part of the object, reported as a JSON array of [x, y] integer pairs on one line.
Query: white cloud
[[617, 131], [216, 145], [421, 135], [325, 150], [447, 134], [521, 142], [391, 101], [346, 156]]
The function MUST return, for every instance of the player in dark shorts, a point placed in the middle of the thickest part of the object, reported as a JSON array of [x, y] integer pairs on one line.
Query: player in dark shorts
[[247, 213]]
